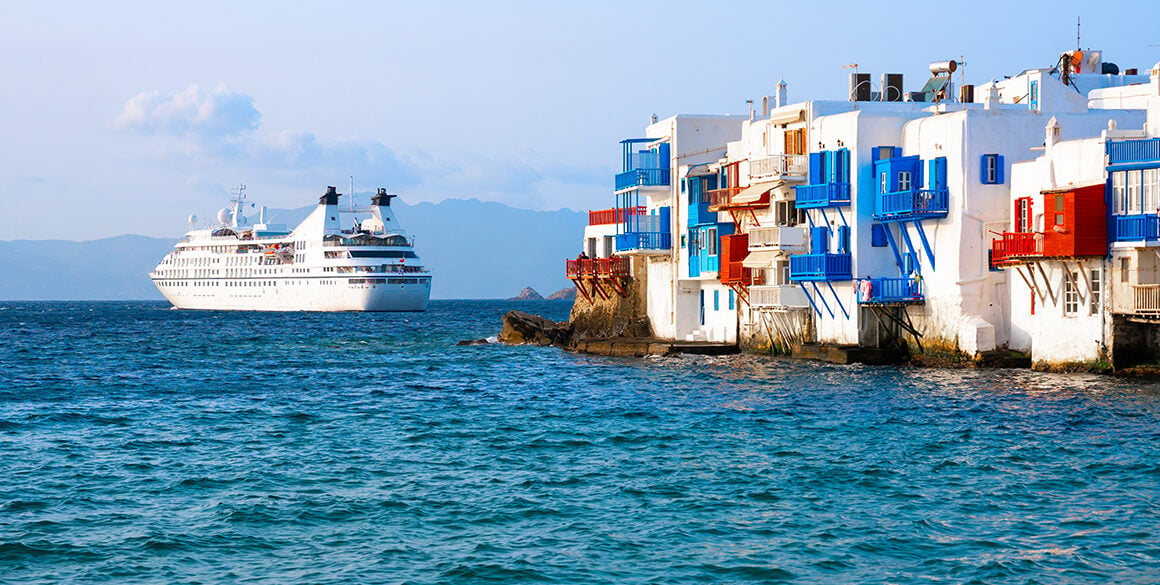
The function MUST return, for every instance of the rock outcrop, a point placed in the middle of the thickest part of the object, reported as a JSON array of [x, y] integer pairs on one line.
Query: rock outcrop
[[564, 294], [528, 294], [523, 328]]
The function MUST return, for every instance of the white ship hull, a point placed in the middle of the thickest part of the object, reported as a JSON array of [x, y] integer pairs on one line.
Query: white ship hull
[[330, 294]]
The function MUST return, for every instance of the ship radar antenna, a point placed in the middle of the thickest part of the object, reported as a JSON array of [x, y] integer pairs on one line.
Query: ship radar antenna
[[1077, 33]]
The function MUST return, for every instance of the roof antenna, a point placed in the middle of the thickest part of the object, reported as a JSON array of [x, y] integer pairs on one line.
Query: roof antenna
[[1077, 33]]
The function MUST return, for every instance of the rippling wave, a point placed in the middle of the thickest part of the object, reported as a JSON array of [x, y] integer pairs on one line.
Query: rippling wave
[[140, 445]]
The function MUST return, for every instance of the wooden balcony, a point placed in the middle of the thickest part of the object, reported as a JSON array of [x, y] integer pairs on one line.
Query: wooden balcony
[[779, 166], [782, 296], [1012, 247], [613, 216], [778, 238], [888, 291], [1146, 299]]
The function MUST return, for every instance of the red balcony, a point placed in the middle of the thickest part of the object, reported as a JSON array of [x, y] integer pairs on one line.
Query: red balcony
[[736, 198], [613, 216], [615, 267], [734, 249], [1015, 246]]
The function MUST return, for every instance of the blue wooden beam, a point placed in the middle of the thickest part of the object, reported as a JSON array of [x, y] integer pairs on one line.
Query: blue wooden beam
[[925, 242], [838, 300], [822, 298]]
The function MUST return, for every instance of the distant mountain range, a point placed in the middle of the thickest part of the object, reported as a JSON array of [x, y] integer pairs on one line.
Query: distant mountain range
[[475, 249]]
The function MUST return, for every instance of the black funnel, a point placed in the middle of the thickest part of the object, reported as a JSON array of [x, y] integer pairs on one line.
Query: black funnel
[[331, 197], [382, 198]]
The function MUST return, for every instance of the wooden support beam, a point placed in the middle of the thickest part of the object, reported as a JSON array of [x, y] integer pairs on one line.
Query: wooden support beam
[[1046, 283]]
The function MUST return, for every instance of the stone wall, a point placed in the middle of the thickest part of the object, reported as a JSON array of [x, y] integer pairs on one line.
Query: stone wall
[[617, 316]]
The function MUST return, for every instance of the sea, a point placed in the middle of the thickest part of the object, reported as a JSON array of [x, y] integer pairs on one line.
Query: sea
[[142, 444]]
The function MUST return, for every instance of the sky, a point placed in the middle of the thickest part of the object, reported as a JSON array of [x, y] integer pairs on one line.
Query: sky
[[125, 117]]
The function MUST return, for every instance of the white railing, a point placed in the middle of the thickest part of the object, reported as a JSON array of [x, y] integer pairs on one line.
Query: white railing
[[786, 295], [778, 165], [790, 239], [1147, 298]]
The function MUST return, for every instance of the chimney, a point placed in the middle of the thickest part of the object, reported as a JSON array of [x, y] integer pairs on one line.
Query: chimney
[[330, 198], [991, 95], [780, 97], [382, 198], [1052, 135]]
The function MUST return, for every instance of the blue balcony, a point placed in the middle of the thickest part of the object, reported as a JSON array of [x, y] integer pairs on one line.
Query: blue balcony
[[642, 178], [1136, 228], [822, 195], [1133, 151], [913, 204], [888, 290], [643, 241], [822, 267], [701, 263]]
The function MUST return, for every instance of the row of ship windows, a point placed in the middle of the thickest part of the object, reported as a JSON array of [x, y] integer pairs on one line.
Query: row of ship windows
[[257, 283]]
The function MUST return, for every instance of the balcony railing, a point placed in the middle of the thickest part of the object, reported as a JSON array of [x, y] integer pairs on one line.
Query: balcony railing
[[820, 267], [916, 203], [779, 165], [822, 195], [889, 290], [642, 178], [631, 241], [720, 198], [790, 239], [786, 295], [1147, 298], [613, 216], [735, 273], [1132, 228], [615, 267], [1015, 245], [1134, 151]]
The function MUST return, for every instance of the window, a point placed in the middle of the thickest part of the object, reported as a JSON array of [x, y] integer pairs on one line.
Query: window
[[992, 169], [1070, 293], [1133, 194], [1151, 179], [878, 236], [1119, 203], [711, 241], [716, 300], [1125, 267], [1023, 214], [884, 188], [903, 181], [730, 300], [1059, 209], [1095, 288]]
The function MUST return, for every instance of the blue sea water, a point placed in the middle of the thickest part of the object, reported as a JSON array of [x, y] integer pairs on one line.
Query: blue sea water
[[140, 444]]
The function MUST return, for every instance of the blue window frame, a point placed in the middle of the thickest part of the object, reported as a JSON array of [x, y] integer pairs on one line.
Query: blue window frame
[[991, 169]]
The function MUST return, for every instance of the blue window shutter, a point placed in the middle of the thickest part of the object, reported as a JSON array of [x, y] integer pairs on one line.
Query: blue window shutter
[[816, 166], [878, 235], [819, 239], [716, 300], [731, 300], [843, 239], [940, 168], [983, 169], [999, 169], [663, 156], [844, 172]]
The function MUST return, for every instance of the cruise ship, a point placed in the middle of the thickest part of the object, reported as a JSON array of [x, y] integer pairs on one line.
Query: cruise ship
[[349, 259]]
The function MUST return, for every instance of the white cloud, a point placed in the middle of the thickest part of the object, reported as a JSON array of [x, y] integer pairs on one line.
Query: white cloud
[[220, 113]]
